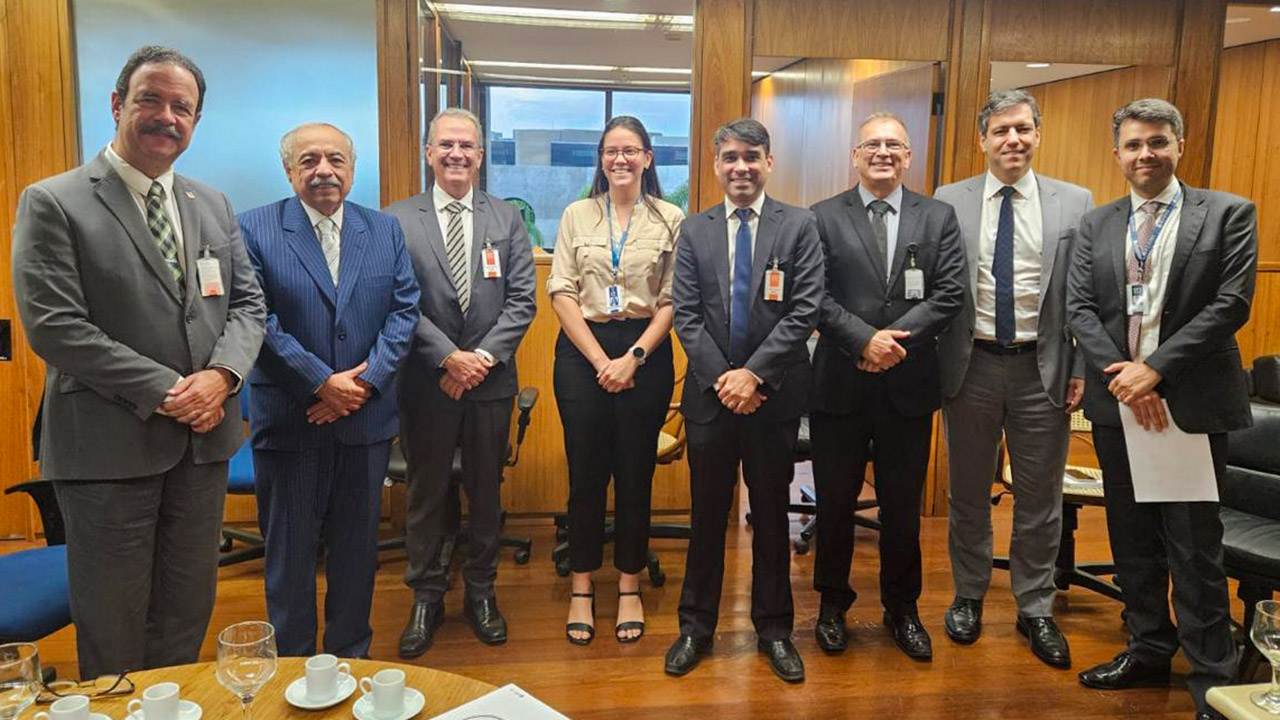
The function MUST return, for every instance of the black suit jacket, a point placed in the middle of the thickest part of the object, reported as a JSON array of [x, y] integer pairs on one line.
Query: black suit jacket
[[1210, 287], [776, 332], [858, 302]]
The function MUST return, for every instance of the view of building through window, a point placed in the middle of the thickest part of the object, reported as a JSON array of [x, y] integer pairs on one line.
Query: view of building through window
[[541, 145]]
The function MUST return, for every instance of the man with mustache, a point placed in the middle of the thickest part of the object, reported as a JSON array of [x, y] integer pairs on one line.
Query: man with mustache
[[134, 288], [1009, 370], [1160, 282], [474, 262], [342, 303], [895, 279]]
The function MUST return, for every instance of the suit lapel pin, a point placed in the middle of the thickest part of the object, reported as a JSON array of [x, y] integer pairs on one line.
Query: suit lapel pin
[[190, 195]]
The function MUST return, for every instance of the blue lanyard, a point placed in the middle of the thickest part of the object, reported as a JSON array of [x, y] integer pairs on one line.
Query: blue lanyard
[[1138, 253], [616, 249]]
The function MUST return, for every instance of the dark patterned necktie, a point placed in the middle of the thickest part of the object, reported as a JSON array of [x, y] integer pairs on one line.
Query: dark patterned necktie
[[162, 231]]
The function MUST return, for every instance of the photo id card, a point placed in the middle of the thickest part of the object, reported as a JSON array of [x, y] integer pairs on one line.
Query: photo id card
[[613, 295], [1136, 294], [489, 261], [209, 272], [773, 279], [913, 280]]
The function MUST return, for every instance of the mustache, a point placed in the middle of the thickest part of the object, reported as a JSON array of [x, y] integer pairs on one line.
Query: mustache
[[324, 182], [156, 128]]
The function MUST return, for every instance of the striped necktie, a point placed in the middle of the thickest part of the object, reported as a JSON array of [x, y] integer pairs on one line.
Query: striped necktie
[[1135, 273], [455, 249], [162, 231], [328, 230]]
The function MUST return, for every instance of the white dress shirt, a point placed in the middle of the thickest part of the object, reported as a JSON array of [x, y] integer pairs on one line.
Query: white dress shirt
[[1028, 246], [1158, 261], [139, 185], [891, 220], [315, 216], [442, 200], [730, 211]]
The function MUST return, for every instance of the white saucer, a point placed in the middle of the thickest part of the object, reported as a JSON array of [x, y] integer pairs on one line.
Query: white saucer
[[99, 716], [187, 710], [413, 704], [296, 694]]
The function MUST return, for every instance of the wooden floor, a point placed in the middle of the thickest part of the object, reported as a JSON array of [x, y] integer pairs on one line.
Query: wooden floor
[[995, 678]]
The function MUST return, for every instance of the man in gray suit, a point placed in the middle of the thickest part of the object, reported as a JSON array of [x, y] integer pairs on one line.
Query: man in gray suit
[[474, 263], [134, 287], [1160, 282], [1008, 370]]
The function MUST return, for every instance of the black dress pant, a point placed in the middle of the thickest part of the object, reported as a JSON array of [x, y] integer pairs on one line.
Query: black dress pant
[[898, 448], [1155, 542], [766, 449], [611, 435]]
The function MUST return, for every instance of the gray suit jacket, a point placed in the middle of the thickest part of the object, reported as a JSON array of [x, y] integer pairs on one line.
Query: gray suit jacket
[[500, 310], [777, 332], [1210, 288], [1061, 205], [100, 306]]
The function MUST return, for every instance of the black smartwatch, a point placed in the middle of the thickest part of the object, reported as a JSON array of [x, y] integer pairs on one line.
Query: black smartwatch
[[638, 353]]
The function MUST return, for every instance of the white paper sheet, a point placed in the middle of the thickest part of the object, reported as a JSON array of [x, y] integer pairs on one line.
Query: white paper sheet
[[506, 703], [1168, 466]]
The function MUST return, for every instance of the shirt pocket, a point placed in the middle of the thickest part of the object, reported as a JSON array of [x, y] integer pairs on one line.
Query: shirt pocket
[[593, 256]]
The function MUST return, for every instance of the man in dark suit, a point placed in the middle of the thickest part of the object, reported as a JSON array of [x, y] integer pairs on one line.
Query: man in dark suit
[[747, 285], [474, 262], [1161, 281], [133, 287], [1009, 370], [895, 278], [342, 303]]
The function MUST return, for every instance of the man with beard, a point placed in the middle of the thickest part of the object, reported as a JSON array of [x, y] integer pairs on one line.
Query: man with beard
[[342, 303], [133, 286]]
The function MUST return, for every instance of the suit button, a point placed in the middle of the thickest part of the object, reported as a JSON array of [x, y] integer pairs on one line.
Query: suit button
[[191, 317], [342, 336], [887, 303]]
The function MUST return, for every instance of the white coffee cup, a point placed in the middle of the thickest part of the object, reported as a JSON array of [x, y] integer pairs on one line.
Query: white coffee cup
[[159, 702], [387, 687], [324, 675], [71, 707]]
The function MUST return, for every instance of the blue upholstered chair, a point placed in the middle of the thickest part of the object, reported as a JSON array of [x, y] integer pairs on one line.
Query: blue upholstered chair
[[240, 482], [35, 602]]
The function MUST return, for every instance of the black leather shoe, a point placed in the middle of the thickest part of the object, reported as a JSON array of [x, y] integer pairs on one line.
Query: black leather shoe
[[685, 654], [424, 619], [1207, 716], [783, 658], [1125, 672], [963, 620], [830, 630], [910, 636], [1047, 641], [485, 620]]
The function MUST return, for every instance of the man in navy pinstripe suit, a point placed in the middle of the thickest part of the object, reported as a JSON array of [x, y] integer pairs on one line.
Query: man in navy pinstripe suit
[[323, 403]]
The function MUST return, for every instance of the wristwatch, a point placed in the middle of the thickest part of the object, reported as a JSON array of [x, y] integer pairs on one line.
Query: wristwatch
[[638, 353]]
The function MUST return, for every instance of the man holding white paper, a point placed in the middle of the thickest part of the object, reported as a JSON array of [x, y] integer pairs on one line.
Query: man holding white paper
[[1161, 281]]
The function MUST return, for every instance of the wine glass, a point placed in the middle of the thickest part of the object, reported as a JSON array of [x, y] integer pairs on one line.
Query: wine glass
[[1265, 634], [19, 678], [246, 659]]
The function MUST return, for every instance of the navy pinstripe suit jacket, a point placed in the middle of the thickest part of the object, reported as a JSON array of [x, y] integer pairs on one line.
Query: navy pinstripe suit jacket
[[315, 329]]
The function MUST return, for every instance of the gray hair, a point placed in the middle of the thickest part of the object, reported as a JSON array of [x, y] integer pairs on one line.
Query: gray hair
[[456, 112], [1148, 110], [747, 130], [286, 142], [1001, 100], [880, 115]]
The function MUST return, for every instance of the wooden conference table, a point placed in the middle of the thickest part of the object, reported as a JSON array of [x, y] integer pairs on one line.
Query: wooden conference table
[[1233, 702], [443, 691]]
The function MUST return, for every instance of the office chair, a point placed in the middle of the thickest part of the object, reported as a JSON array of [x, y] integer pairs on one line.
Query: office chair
[[36, 601], [240, 481]]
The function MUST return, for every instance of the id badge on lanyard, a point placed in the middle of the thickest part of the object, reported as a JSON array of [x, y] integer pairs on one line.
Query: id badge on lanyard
[[209, 273], [1135, 293], [613, 293], [773, 282], [490, 266], [913, 277]]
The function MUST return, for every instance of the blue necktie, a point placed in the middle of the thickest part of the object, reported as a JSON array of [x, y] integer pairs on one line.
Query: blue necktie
[[1002, 270], [740, 303]]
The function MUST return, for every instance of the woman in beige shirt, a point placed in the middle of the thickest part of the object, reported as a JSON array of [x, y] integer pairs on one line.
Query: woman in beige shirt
[[610, 286]]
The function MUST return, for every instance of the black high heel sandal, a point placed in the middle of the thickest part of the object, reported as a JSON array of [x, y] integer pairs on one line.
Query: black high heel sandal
[[630, 624], [590, 630]]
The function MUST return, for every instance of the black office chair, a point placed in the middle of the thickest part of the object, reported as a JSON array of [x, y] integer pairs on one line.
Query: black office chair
[[398, 472]]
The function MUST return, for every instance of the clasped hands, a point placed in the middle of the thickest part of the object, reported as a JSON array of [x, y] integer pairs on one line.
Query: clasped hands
[[341, 394], [617, 374], [197, 399], [739, 390], [464, 371], [1134, 385], [882, 351]]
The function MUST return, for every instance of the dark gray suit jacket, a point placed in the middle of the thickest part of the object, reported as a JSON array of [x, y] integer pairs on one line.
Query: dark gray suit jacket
[[100, 306], [500, 310], [1061, 205], [858, 302], [1210, 287], [776, 331]]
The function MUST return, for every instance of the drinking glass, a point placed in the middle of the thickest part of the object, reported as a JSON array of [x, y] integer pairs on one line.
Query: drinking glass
[[19, 678], [1265, 634], [246, 659]]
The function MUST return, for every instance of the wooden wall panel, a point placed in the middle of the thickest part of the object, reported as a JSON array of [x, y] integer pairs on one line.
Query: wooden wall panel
[[1195, 83], [1105, 32], [722, 52], [399, 100], [901, 30], [1076, 140], [967, 86], [1261, 335], [909, 94]]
